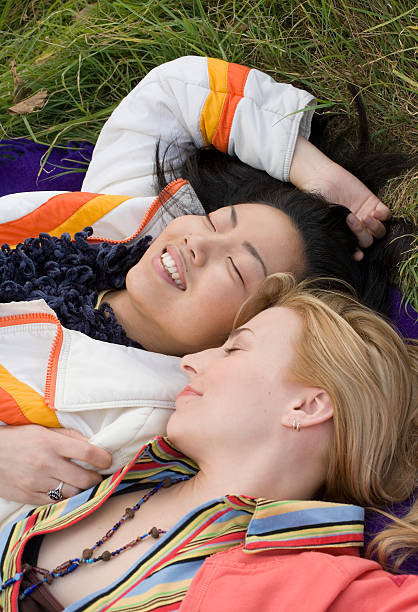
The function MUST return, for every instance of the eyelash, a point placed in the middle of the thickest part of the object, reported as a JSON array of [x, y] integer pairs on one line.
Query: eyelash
[[233, 265], [236, 270], [231, 350], [210, 221]]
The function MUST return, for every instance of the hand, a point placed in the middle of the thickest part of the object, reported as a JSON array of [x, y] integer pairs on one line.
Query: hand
[[313, 171], [35, 459], [367, 211]]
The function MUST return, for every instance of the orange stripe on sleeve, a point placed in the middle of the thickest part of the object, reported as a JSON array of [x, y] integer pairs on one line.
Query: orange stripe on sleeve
[[91, 211], [22, 404], [212, 108], [237, 77], [46, 217]]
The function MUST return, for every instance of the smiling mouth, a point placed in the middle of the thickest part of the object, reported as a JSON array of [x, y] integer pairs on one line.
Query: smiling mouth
[[170, 266]]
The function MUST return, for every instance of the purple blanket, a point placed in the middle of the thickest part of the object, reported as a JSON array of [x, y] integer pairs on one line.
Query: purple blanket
[[20, 162], [63, 170]]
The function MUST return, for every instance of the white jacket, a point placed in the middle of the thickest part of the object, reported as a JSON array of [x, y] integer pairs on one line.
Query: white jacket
[[117, 396]]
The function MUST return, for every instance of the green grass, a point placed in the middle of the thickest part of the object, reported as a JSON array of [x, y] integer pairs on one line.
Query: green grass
[[88, 56]]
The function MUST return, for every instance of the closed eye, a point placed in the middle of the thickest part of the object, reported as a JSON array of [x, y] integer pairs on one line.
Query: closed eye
[[236, 270], [231, 349], [210, 223]]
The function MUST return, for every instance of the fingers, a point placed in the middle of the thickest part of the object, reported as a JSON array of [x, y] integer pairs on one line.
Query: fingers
[[34, 486], [382, 212], [82, 450], [372, 208], [365, 239], [75, 484], [365, 231], [375, 227], [74, 475], [34, 459]]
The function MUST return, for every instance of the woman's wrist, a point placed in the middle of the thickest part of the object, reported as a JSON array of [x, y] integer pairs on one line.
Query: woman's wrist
[[311, 170]]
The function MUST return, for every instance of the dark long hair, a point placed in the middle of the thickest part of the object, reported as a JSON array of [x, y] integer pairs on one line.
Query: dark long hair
[[221, 180]]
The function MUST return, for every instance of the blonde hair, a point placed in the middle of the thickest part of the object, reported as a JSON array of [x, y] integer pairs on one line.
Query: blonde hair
[[371, 375]]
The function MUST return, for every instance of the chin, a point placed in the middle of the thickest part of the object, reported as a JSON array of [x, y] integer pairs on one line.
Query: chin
[[178, 433], [172, 428]]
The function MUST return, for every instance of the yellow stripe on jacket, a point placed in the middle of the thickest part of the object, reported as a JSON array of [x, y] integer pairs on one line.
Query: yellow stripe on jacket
[[89, 213], [227, 82], [22, 405], [212, 108], [64, 212]]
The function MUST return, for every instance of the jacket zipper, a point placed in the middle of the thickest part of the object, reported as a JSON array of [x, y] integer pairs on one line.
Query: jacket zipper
[[168, 191], [52, 367]]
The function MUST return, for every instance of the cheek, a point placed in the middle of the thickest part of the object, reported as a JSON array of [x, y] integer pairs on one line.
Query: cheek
[[209, 317], [136, 280]]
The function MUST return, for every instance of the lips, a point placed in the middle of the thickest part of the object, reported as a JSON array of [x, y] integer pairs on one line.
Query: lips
[[189, 391], [158, 265]]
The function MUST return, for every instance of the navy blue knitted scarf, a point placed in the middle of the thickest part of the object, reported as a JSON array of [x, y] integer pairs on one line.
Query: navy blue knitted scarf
[[68, 275]]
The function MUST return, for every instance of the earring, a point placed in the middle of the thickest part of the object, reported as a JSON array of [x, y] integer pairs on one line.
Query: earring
[[295, 425]]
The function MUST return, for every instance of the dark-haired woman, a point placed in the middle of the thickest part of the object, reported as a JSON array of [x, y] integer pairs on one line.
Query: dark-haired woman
[[177, 295]]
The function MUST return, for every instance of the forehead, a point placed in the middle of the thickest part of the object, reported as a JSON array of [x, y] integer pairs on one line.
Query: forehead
[[276, 330]]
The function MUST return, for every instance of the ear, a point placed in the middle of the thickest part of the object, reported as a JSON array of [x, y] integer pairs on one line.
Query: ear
[[313, 408]]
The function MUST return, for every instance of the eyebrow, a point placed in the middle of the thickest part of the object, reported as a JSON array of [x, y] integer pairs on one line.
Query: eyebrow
[[236, 332], [250, 248]]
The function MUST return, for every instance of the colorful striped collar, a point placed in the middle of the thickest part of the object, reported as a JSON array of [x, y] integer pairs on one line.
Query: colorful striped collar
[[302, 525]]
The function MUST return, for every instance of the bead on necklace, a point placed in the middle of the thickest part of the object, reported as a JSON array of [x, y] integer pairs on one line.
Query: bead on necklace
[[87, 558]]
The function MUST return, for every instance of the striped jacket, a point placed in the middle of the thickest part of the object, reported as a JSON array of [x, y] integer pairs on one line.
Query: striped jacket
[[232, 553], [65, 378]]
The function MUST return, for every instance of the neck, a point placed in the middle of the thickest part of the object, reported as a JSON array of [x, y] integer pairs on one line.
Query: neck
[[267, 473], [206, 486], [135, 325]]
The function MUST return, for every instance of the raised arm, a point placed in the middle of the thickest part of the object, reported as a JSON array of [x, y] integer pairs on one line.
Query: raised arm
[[199, 101], [196, 101]]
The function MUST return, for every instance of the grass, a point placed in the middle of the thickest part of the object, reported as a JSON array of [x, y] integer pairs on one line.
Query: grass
[[88, 56]]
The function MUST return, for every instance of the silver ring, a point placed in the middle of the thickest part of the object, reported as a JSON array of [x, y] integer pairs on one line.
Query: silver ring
[[55, 494]]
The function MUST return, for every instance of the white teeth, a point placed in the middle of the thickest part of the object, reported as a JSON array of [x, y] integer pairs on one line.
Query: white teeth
[[168, 260], [170, 265]]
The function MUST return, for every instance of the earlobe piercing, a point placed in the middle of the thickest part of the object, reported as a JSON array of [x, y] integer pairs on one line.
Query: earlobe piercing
[[296, 425]]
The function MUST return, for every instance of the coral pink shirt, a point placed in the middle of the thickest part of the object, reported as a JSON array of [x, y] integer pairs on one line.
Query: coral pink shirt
[[337, 580]]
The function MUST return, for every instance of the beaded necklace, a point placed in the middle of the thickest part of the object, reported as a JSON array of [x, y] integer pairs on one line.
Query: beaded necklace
[[86, 557]]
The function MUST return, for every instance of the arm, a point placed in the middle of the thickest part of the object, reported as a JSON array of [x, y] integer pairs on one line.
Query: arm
[[35, 458], [203, 101], [67, 381], [198, 101]]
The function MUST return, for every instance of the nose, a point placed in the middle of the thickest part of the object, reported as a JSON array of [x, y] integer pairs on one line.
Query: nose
[[202, 246], [187, 365], [196, 363]]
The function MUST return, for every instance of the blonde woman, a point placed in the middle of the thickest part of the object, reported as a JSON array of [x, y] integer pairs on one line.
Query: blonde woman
[[298, 404]]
